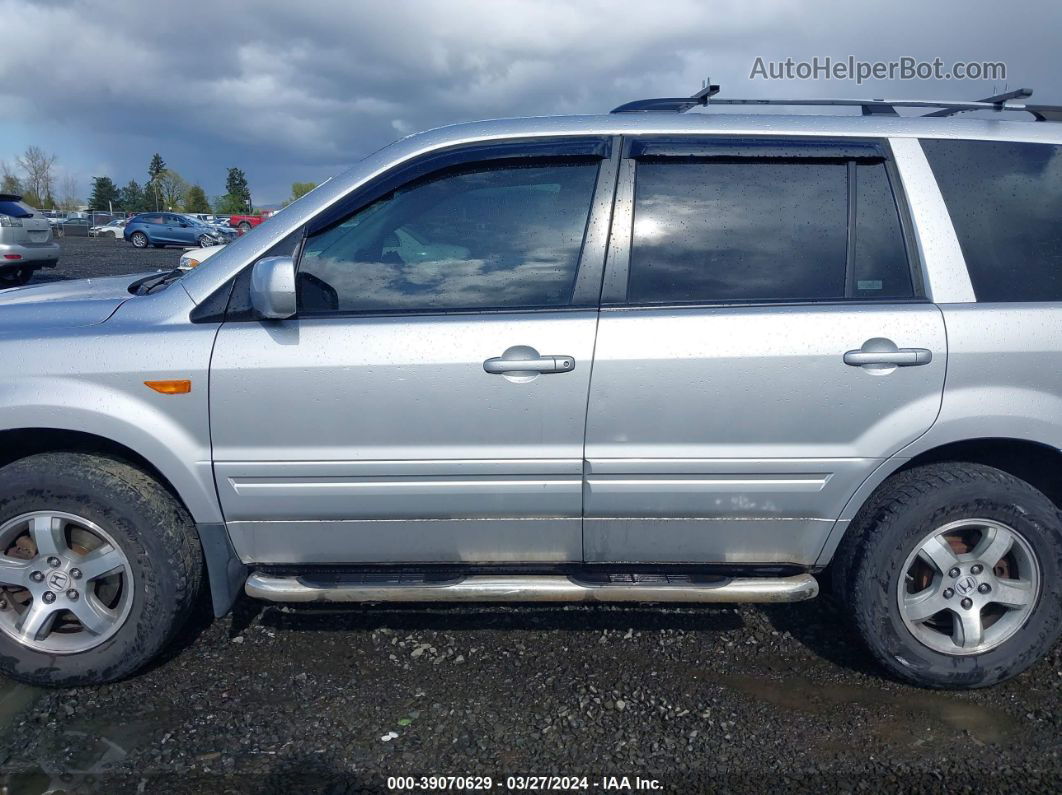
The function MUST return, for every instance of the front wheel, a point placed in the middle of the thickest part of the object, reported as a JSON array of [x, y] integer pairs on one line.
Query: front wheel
[[139, 240], [952, 575], [244, 227], [99, 567], [204, 241]]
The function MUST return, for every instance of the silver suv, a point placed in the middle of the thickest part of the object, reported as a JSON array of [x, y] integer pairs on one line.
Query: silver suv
[[26, 242], [640, 357]]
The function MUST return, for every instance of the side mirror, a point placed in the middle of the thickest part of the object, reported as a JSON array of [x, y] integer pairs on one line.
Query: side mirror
[[273, 288]]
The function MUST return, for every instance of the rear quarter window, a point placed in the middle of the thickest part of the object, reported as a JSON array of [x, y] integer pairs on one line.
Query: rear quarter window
[[1005, 201]]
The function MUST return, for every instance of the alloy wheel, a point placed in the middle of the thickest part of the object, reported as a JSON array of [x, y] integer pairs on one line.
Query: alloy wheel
[[968, 586], [65, 584]]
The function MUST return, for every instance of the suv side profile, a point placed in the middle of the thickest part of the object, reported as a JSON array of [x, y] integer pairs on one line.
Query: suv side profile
[[641, 357]]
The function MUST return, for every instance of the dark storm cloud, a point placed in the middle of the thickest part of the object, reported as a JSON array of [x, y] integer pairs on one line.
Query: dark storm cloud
[[296, 90]]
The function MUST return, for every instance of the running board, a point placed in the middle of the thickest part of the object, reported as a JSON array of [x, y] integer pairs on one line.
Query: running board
[[533, 588]]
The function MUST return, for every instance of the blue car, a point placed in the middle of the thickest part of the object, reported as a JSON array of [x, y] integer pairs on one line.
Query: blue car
[[172, 229]]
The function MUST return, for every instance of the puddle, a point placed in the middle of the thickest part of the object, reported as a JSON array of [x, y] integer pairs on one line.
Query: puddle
[[899, 718], [72, 760], [14, 699]]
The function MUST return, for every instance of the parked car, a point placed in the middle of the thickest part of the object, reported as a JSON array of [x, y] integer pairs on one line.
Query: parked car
[[75, 227], [161, 229], [26, 242], [403, 409], [54, 217], [193, 258], [113, 229], [246, 222], [225, 232]]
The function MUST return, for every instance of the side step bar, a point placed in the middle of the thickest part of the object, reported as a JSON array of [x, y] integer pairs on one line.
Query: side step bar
[[534, 588]]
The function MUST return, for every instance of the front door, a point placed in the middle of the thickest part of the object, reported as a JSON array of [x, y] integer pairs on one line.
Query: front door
[[428, 402], [763, 346]]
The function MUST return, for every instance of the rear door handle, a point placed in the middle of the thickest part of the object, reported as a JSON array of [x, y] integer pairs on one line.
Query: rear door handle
[[901, 357], [537, 364]]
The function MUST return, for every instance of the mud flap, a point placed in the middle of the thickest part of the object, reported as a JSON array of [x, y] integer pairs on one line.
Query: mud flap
[[225, 572]]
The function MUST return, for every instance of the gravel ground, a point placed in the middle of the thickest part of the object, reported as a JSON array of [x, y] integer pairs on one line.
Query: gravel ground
[[82, 257], [313, 700]]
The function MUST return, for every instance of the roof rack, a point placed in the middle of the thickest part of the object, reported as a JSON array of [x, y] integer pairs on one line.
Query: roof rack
[[870, 107]]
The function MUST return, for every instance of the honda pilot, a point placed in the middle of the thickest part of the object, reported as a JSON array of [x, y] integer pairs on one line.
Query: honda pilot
[[649, 356]]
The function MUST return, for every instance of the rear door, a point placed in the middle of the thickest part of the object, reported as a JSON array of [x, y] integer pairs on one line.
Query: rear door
[[764, 344], [428, 401], [171, 230]]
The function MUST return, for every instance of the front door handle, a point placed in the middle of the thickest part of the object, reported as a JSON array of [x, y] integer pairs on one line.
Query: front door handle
[[881, 352], [541, 364], [523, 360]]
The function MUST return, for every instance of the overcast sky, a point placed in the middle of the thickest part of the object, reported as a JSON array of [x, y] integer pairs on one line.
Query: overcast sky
[[299, 90]]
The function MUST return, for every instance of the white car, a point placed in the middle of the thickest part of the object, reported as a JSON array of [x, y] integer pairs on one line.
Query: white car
[[193, 257], [114, 228]]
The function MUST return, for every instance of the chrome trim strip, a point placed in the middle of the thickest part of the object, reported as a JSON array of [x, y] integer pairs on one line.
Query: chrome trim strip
[[537, 588], [672, 482], [353, 486]]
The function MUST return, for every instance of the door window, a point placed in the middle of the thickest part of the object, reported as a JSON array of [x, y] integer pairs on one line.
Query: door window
[[765, 230], [498, 236]]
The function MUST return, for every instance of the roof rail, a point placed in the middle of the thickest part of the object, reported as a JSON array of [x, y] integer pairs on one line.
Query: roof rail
[[670, 104], [995, 99], [870, 107]]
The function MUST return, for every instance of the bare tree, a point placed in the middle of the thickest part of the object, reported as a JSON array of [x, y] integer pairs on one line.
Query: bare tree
[[68, 198], [37, 165], [172, 188], [9, 182]]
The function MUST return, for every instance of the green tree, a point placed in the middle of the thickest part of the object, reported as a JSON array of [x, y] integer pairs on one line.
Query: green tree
[[195, 200], [298, 190], [131, 198], [105, 194], [230, 205], [152, 190], [237, 198], [156, 167]]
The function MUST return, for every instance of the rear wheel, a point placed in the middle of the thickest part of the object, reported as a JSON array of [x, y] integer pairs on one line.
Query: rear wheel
[[12, 278], [99, 567], [245, 227], [952, 574], [139, 240]]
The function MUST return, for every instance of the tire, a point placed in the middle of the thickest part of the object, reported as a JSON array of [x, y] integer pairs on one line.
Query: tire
[[957, 514], [14, 278], [139, 240], [204, 241], [244, 227], [149, 544]]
